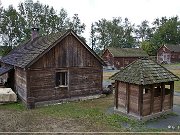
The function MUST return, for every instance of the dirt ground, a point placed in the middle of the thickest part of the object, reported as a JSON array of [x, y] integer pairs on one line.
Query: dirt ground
[[90, 118], [15, 121]]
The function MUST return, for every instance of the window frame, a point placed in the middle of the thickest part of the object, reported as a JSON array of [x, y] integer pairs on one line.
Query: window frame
[[65, 78]]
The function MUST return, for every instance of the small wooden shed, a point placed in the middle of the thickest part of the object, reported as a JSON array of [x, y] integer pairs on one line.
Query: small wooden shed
[[118, 58], [144, 89], [53, 68], [168, 54]]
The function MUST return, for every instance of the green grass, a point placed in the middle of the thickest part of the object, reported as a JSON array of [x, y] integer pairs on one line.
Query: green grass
[[92, 114], [176, 83], [13, 106]]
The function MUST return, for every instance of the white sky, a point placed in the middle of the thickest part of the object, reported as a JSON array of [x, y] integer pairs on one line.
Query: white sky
[[93, 10]]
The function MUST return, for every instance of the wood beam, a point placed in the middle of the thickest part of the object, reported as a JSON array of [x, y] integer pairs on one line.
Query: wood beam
[[152, 99], [171, 94], [162, 95], [140, 101], [116, 94], [127, 97]]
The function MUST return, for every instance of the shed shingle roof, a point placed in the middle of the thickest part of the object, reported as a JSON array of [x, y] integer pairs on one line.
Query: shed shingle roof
[[127, 52], [174, 48], [25, 54], [144, 71], [5, 69]]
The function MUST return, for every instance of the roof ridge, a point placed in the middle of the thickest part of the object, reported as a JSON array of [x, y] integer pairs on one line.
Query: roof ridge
[[141, 72]]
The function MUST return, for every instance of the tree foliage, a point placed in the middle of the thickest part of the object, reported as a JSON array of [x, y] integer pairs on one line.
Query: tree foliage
[[115, 32], [143, 31], [15, 25], [92, 36], [166, 31]]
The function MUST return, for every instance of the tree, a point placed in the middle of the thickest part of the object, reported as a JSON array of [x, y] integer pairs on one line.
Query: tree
[[15, 25], [128, 31], [102, 37], [143, 31], [12, 27], [63, 20], [165, 31], [114, 33], [76, 25], [148, 47], [92, 36]]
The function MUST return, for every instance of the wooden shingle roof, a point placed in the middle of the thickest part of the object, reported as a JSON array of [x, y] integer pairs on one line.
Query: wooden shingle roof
[[143, 72], [24, 55], [127, 52], [5, 69], [174, 48]]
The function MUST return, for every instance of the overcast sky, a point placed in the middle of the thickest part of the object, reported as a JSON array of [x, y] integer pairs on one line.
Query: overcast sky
[[92, 10]]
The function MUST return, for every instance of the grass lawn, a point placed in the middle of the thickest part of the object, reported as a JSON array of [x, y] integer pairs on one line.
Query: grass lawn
[[175, 68], [83, 116]]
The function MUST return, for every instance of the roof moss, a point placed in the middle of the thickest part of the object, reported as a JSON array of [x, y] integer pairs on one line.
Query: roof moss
[[174, 48], [23, 55], [127, 52], [143, 72]]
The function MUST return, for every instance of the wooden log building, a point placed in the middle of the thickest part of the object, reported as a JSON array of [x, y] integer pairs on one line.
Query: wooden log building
[[168, 54], [52, 68], [117, 58], [144, 89]]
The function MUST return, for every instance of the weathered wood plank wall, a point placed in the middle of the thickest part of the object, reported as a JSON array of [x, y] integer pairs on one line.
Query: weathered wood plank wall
[[84, 72], [133, 98], [21, 83]]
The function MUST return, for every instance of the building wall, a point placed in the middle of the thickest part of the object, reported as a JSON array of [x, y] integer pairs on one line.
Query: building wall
[[21, 83], [133, 99], [121, 62], [128, 99], [164, 55], [133, 93], [84, 72], [108, 58], [117, 62], [175, 57]]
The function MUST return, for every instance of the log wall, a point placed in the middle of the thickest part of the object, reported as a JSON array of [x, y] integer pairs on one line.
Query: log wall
[[146, 104], [152, 99], [121, 95], [83, 69], [67, 53], [21, 83], [133, 98], [131, 106]]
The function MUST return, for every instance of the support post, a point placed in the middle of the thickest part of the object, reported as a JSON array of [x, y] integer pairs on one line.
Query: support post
[[116, 94], [171, 94], [162, 95], [127, 97], [152, 99], [140, 103]]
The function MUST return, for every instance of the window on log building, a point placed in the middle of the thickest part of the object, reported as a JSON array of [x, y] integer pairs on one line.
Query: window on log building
[[61, 78]]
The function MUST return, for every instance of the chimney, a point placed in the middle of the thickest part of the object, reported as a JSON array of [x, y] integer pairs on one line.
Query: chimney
[[34, 33]]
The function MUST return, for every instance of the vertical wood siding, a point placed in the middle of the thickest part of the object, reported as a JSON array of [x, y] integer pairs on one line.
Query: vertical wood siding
[[84, 72], [21, 83], [133, 98]]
